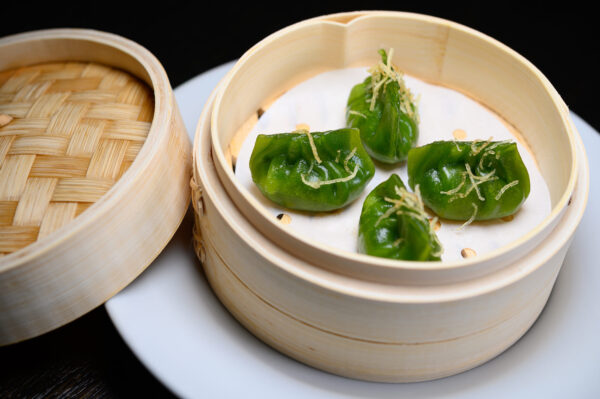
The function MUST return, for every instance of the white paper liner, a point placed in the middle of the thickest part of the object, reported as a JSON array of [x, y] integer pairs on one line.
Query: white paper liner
[[320, 103]]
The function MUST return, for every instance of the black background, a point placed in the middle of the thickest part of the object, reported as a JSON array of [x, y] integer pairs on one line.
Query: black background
[[88, 357], [560, 39]]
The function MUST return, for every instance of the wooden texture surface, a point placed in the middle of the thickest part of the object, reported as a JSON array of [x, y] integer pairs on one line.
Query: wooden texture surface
[[74, 129], [65, 274]]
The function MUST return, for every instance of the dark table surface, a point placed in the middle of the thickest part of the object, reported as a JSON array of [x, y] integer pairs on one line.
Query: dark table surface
[[88, 358]]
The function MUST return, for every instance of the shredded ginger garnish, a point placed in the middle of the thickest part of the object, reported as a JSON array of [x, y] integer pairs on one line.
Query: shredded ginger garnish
[[382, 75], [348, 158], [457, 147], [471, 219], [506, 187], [478, 145], [474, 181], [410, 204], [352, 112], [312, 145], [318, 183]]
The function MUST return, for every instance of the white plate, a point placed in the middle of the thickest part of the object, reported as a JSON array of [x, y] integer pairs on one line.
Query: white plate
[[172, 321]]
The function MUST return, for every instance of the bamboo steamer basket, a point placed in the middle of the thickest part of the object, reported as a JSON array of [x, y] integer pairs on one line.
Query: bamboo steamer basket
[[95, 168], [365, 317]]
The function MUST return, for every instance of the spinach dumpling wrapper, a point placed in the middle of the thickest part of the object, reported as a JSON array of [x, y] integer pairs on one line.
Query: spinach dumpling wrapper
[[393, 224], [470, 180], [319, 171], [384, 110]]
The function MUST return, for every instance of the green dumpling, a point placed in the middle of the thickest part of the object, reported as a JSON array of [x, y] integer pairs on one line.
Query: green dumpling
[[469, 180], [393, 224], [384, 110], [319, 171]]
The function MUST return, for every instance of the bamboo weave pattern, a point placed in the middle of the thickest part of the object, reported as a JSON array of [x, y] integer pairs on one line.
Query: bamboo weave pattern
[[68, 132]]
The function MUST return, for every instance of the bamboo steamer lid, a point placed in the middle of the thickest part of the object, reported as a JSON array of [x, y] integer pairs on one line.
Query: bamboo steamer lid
[[94, 171], [71, 130]]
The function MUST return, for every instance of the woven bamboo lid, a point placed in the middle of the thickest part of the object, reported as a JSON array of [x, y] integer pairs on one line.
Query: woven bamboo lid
[[69, 132], [95, 166]]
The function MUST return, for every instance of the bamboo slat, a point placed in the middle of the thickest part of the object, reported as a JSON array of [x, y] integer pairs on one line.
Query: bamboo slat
[[68, 132]]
